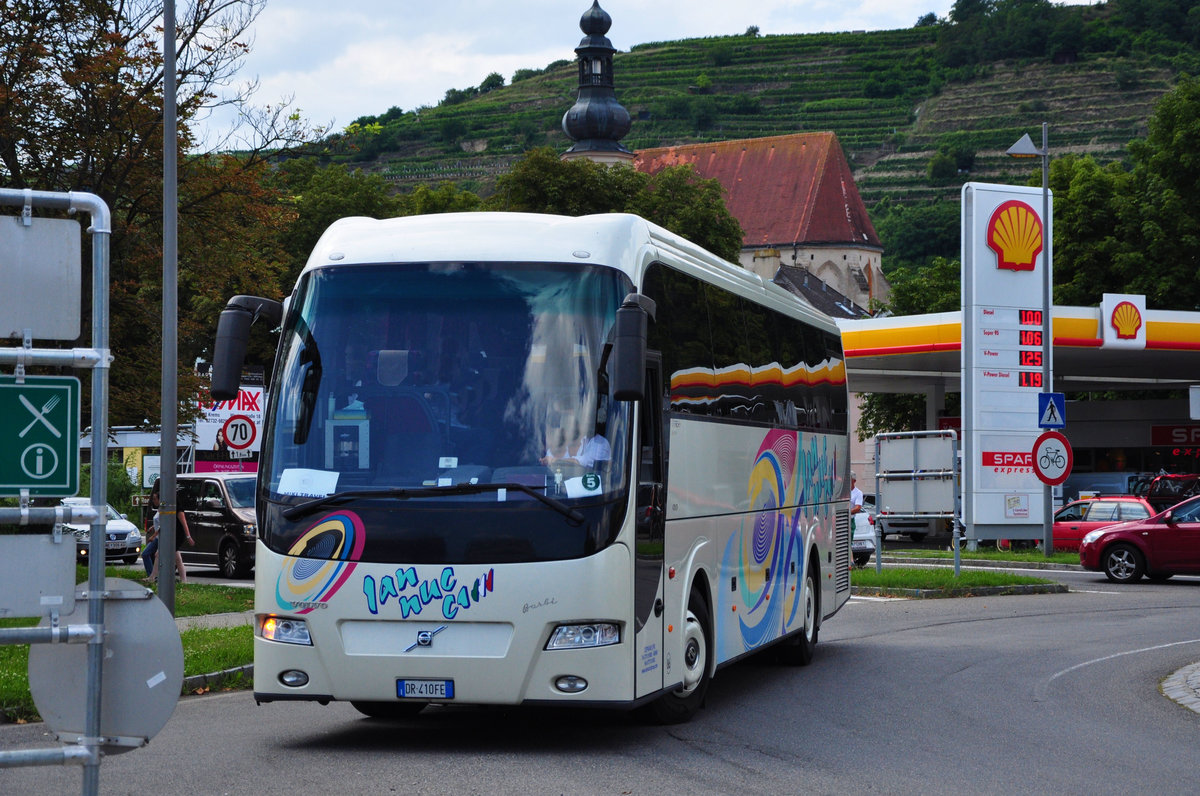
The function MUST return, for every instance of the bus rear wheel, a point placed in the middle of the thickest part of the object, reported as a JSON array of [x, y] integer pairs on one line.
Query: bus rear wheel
[[799, 649], [389, 710], [682, 703]]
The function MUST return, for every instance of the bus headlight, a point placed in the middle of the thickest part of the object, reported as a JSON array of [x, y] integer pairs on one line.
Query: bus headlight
[[595, 634], [284, 630]]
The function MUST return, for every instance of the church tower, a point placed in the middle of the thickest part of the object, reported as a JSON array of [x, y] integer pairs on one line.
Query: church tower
[[596, 122]]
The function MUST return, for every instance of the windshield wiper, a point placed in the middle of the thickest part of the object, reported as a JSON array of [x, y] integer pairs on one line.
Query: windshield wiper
[[404, 493]]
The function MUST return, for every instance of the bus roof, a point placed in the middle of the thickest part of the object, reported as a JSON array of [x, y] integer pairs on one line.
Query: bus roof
[[620, 240]]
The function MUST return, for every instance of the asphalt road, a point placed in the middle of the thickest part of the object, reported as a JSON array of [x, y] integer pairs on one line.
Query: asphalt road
[[1038, 694]]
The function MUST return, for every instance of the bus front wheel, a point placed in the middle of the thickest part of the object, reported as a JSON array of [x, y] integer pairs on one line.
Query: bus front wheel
[[682, 703]]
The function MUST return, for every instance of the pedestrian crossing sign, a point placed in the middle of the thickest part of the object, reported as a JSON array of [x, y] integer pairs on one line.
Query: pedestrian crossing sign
[[1052, 410]]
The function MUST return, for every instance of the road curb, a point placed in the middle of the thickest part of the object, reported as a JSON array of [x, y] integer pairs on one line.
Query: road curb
[[1183, 686], [200, 683]]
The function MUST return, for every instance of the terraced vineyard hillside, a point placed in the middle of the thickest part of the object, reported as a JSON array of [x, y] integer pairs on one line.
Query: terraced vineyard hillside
[[1091, 108], [884, 94]]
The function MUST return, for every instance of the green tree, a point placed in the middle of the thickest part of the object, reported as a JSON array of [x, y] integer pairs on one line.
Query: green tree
[[452, 128], [1136, 230], [913, 234], [492, 82], [1089, 203], [542, 182], [80, 109], [676, 198], [942, 169], [935, 287], [687, 204], [320, 195], [446, 198], [1162, 226]]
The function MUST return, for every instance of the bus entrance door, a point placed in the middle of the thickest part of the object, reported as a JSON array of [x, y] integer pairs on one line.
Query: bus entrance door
[[650, 513]]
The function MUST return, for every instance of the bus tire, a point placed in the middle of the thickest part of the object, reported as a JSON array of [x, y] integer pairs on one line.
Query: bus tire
[[798, 650], [389, 710], [681, 704]]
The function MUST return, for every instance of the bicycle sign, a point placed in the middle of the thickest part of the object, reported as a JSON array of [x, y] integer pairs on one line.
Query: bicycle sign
[[1052, 458]]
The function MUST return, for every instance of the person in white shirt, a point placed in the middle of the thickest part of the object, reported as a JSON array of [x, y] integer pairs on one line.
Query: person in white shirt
[[565, 443], [856, 495]]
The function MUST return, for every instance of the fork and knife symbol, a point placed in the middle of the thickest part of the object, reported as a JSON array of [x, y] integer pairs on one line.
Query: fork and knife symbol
[[39, 415]]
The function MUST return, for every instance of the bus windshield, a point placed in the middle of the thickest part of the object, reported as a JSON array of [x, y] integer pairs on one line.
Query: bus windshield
[[449, 404]]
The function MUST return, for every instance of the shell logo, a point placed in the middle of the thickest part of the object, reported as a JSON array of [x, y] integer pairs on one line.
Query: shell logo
[[1014, 233], [1127, 320]]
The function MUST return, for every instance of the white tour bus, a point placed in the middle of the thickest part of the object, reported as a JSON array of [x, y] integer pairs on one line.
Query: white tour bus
[[524, 459]]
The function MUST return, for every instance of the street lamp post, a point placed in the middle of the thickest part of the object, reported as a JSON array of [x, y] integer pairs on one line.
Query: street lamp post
[[1024, 148]]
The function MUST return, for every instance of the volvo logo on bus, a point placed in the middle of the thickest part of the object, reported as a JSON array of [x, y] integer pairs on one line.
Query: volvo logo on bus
[[425, 638]]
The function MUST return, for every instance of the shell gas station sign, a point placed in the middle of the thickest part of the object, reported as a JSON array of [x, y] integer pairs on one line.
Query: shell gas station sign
[[1123, 320], [1005, 254]]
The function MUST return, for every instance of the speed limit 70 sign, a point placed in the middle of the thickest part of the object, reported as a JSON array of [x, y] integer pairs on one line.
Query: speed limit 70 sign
[[239, 432], [1052, 458]]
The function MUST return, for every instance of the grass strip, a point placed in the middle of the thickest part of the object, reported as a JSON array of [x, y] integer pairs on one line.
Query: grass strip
[[205, 650], [923, 579], [989, 554]]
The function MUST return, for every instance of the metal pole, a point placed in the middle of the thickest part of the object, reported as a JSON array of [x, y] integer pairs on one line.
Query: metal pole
[[1047, 328], [170, 327], [101, 232], [98, 358]]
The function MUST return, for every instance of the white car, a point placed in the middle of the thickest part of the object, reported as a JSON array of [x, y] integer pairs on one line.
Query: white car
[[862, 543], [122, 539]]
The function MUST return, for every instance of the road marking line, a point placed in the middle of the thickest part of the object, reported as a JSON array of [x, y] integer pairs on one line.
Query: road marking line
[[1040, 692]]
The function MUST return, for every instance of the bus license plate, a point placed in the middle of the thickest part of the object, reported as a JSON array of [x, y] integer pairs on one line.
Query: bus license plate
[[425, 689]]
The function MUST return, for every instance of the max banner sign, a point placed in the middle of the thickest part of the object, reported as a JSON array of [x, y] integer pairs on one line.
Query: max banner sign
[[232, 426]]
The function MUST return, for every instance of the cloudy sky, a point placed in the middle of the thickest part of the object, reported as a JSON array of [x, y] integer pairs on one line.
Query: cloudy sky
[[342, 60]]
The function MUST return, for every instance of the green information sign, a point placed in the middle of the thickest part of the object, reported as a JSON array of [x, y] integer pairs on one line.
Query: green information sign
[[39, 435]]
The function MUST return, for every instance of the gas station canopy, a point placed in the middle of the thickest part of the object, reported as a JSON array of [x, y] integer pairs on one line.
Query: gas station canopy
[[922, 353]]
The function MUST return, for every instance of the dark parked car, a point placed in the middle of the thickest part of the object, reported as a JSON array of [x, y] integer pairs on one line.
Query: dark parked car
[[220, 512], [1158, 547]]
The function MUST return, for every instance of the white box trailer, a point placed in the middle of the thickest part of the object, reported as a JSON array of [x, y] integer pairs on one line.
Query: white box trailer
[[916, 482]]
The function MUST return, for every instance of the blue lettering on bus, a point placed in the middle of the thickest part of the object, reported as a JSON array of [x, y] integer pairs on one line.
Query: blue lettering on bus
[[410, 605], [429, 591], [444, 587]]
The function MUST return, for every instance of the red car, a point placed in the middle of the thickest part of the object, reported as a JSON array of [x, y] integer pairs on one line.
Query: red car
[[1158, 547], [1075, 520]]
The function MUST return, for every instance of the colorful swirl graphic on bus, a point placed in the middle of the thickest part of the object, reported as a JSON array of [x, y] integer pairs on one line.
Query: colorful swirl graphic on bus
[[323, 558], [766, 555]]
